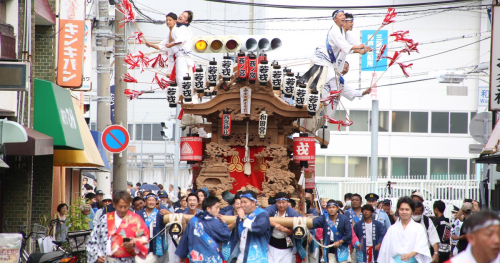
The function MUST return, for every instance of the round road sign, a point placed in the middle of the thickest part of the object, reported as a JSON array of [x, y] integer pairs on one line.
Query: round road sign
[[115, 139]]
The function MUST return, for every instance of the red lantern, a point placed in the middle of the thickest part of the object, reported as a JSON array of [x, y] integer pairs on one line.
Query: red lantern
[[226, 125], [252, 68], [191, 149], [304, 150]]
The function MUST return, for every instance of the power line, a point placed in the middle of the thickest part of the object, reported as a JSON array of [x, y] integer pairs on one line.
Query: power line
[[338, 7]]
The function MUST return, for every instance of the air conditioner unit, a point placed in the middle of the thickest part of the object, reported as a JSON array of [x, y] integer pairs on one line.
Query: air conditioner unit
[[15, 76]]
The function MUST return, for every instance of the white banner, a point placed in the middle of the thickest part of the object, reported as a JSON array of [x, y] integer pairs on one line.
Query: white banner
[[495, 60], [246, 100]]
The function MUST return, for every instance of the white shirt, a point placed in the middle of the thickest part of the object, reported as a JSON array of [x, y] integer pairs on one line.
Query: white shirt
[[369, 234], [247, 224], [467, 257], [456, 230], [278, 234], [340, 47], [184, 35], [400, 241], [432, 234]]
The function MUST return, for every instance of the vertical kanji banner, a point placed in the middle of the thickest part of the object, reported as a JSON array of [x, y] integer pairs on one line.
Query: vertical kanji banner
[[369, 60], [70, 43], [495, 60]]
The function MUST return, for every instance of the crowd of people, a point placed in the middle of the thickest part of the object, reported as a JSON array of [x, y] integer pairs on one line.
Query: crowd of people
[[360, 229]]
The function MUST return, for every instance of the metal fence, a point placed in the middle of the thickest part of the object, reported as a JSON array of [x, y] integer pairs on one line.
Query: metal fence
[[452, 192]]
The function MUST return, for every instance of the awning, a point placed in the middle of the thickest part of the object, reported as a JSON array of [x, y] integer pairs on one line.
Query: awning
[[89, 157], [55, 115], [37, 144], [97, 139], [11, 131], [3, 164], [43, 13]]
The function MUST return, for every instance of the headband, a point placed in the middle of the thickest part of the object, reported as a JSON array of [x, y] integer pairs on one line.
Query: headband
[[330, 204], [249, 196], [491, 222], [349, 19], [337, 12], [150, 195], [282, 199]]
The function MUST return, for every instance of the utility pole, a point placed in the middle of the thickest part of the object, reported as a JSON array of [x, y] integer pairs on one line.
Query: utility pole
[[374, 146], [104, 50], [120, 160], [177, 153]]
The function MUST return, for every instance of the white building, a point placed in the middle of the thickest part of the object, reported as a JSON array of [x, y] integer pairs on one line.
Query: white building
[[424, 124]]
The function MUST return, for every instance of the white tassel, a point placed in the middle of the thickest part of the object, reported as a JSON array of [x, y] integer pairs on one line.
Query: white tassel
[[247, 168]]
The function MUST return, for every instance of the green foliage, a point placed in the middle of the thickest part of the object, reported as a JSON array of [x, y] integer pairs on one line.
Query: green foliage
[[75, 217]]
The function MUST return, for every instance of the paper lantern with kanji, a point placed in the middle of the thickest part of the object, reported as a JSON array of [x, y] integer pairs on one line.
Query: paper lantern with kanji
[[242, 66], [289, 85], [199, 80], [252, 68], [304, 150], [172, 95], [277, 77], [191, 149], [212, 74]]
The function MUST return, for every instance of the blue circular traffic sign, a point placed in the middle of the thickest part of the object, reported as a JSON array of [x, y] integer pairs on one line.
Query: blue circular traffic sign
[[115, 139]]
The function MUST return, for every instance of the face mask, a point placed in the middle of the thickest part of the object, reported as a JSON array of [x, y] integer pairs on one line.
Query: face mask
[[348, 203], [416, 217]]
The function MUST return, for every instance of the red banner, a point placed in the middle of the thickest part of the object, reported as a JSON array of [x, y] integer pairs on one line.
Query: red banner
[[236, 168]]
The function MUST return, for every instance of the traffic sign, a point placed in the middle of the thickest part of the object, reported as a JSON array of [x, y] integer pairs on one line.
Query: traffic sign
[[115, 139]]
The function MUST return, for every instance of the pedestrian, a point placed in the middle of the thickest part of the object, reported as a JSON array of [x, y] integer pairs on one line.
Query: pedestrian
[[165, 202], [462, 243], [387, 206], [100, 196], [406, 240], [203, 234], [236, 204], [171, 194], [370, 233], [130, 188], [432, 235], [192, 202], [154, 221], [106, 201], [137, 203], [455, 232], [419, 197], [281, 244], [120, 235], [183, 202], [354, 214], [337, 231], [379, 215], [312, 210], [201, 196], [443, 228], [250, 241], [482, 230], [62, 226]]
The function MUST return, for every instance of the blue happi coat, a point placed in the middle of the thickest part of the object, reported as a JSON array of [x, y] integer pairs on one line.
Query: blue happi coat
[[290, 212], [159, 244], [380, 231], [313, 211], [202, 238], [344, 228], [352, 216], [256, 247], [226, 209]]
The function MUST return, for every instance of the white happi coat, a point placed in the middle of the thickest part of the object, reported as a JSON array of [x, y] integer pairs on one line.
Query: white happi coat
[[170, 51], [466, 256], [184, 63], [399, 241]]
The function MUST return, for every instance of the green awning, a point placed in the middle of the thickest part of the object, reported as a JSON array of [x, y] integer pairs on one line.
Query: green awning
[[55, 115]]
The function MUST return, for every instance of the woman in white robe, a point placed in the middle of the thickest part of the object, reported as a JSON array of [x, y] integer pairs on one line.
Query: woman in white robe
[[405, 241]]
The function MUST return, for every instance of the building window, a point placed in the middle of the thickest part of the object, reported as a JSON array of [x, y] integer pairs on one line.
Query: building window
[[319, 168], [151, 132], [399, 167], [439, 169], [458, 168], [458, 122], [400, 121], [157, 129], [439, 122], [360, 120], [339, 114], [335, 166], [419, 122], [358, 167], [130, 129], [418, 167], [383, 121]]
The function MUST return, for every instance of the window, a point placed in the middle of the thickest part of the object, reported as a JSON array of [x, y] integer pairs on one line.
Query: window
[[138, 132], [458, 122], [130, 128], [319, 168], [360, 120], [400, 121], [383, 121], [399, 167], [439, 169], [457, 167], [418, 166], [335, 166], [157, 129], [419, 122], [148, 132], [439, 122], [358, 167], [339, 114]]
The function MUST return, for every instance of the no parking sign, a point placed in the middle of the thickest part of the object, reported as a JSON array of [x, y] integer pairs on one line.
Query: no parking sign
[[115, 139]]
